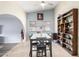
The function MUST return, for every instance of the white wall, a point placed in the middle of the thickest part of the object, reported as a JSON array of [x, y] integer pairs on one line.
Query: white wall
[[11, 29], [48, 16], [13, 8], [64, 7]]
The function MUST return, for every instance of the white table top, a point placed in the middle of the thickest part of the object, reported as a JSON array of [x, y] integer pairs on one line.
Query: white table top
[[36, 35]]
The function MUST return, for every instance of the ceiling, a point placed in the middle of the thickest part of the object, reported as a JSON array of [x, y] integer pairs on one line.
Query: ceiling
[[32, 6]]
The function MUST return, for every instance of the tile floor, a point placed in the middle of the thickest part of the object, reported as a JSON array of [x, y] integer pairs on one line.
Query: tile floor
[[22, 50], [4, 48]]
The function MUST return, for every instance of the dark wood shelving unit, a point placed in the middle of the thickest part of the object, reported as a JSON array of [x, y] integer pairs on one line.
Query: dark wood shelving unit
[[68, 31]]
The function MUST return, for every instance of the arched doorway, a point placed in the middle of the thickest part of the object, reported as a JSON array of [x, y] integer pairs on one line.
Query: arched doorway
[[10, 29]]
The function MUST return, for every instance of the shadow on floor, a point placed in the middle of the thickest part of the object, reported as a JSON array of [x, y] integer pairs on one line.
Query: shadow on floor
[[4, 48]]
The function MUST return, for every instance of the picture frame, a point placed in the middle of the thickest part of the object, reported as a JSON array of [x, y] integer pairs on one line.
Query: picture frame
[[39, 16]]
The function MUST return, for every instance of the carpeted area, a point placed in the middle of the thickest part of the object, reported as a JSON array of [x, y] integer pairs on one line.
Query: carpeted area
[[22, 50]]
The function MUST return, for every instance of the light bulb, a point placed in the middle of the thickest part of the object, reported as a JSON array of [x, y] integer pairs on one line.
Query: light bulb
[[43, 4]]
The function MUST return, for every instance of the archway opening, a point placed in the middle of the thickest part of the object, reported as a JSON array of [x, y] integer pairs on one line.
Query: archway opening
[[11, 32], [11, 29]]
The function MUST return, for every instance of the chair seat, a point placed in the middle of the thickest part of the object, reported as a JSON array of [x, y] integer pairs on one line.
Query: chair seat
[[34, 43], [41, 46], [48, 43]]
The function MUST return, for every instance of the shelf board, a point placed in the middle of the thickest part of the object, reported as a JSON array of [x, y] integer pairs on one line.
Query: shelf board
[[67, 33], [68, 22], [67, 43], [67, 38], [61, 24], [68, 50]]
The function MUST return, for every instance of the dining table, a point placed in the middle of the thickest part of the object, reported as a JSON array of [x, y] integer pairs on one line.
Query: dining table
[[34, 37]]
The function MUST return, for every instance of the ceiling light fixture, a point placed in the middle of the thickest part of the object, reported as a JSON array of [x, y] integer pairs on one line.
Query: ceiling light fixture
[[43, 4]]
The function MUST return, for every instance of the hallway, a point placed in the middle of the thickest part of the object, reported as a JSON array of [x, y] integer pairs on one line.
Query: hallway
[[22, 50]]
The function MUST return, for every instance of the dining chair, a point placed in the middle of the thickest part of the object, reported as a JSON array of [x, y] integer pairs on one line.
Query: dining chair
[[41, 48], [49, 46]]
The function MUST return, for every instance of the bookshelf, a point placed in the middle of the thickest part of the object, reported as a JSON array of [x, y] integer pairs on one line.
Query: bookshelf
[[68, 31]]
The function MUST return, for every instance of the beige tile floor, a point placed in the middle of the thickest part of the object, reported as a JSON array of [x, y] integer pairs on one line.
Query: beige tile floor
[[22, 50], [5, 47]]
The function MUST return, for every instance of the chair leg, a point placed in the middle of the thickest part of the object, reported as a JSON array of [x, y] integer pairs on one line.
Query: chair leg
[[45, 52], [29, 54], [42, 53], [38, 53]]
